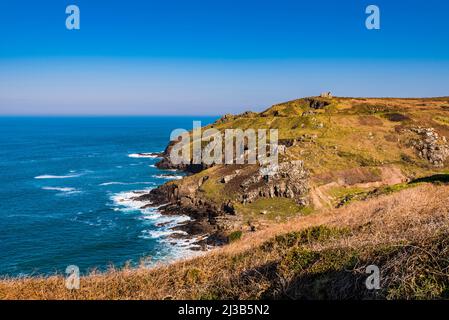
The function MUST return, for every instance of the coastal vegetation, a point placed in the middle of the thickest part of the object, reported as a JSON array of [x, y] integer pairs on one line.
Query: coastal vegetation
[[361, 182], [319, 256]]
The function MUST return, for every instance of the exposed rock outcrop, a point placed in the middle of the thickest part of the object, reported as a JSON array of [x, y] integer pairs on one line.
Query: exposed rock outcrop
[[229, 117], [430, 146], [227, 178], [317, 103], [165, 162], [287, 143], [289, 180]]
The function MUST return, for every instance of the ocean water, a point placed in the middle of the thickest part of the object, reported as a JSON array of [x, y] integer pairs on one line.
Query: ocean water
[[66, 189]]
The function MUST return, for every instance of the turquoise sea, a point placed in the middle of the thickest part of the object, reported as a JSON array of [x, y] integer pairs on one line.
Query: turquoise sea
[[66, 189]]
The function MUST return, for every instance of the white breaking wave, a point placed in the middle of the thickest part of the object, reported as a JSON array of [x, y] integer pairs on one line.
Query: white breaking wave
[[162, 226], [155, 234], [165, 221], [128, 201], [180, 247], [112, 183], [167, 176], [64, 190], [144, 155], [124, 183], [49, 176]]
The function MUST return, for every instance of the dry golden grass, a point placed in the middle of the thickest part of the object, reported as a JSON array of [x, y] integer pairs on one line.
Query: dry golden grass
[[415, 221]]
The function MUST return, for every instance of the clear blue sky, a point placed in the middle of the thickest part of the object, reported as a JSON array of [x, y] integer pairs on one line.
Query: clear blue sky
[[212, 57]]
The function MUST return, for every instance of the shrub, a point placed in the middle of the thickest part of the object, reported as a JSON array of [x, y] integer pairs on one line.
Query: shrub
[[234, 236], [297, 260], [193, 275], [313, 234]]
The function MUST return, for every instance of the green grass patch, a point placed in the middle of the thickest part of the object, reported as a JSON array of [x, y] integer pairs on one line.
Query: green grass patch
[[362, 160], [364, 195], [276, 209], [234, 236], [214, 190], [193, 275], [341, 192], [310, 235], [352, 194], [297, 260], [442, 120]]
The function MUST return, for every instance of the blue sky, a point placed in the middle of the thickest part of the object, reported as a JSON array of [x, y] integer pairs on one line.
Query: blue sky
[[212, 57]]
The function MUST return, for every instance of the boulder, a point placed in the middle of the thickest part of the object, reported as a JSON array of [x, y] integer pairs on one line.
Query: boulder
[[226, 179], [430, 146]]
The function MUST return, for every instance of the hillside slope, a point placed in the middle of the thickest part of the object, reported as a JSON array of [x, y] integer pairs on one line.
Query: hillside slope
[[334, 150], [320, 256]]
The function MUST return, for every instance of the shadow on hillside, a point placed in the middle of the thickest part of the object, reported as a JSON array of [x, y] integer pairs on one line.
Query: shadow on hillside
[[333, 285], [437, 178]]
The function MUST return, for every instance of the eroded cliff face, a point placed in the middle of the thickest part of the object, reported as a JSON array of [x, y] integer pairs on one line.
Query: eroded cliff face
[[287, 180], [234, 184], [166, 163]]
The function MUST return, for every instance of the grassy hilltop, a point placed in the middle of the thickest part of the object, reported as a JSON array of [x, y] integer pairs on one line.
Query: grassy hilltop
[[352, 148], [364, 183]]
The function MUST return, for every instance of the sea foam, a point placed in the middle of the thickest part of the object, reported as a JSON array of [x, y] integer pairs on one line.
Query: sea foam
[[161, 227], [144, 155], [124, 183], [167, 176], [127, 200], [49, 176], [64, 190]]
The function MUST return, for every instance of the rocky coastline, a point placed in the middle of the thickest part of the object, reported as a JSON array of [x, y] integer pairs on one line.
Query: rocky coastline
[[218, 198], [213, 220]]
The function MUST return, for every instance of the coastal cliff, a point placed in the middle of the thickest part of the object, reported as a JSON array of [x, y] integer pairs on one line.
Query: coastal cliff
[[331, 150]]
